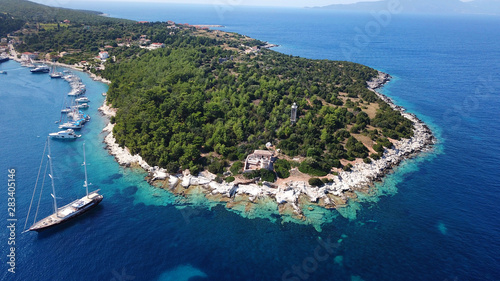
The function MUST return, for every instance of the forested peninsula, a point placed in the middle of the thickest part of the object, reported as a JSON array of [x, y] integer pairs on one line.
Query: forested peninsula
[[200, 107]]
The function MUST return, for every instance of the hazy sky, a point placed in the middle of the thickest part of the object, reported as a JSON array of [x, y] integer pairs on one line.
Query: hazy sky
[[290, 3], [298, 3]]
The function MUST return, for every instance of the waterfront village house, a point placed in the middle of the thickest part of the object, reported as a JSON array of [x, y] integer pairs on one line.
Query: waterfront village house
[[155, 46], [259, 159], [4, 40], [28, 56], [103, 55]]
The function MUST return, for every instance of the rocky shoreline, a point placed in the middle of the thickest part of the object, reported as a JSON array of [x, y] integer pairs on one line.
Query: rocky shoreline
[[290, 196]]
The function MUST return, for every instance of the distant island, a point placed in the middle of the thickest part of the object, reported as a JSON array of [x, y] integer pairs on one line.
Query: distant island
[[220, 114], [485, 7]]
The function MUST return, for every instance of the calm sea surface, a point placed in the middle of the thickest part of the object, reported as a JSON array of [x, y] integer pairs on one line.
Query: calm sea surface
[[437, 217]]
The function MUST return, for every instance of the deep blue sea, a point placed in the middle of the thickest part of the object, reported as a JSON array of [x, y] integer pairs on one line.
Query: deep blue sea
[[437, 218]]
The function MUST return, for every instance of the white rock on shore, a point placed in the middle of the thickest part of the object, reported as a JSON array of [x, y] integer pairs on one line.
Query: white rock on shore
[[122, 155], [107, 110]]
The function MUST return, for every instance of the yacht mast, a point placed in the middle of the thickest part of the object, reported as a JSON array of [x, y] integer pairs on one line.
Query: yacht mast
[[52, 178], [85, 183]]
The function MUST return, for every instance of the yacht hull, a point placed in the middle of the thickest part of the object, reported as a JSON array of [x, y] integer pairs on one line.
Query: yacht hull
[[54, 220]]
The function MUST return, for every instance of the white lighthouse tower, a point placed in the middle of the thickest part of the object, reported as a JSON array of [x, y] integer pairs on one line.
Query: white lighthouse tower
[[293, 115]]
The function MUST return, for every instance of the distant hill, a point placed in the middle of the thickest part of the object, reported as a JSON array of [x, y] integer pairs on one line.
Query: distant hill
[[29, 11], [491, 7]]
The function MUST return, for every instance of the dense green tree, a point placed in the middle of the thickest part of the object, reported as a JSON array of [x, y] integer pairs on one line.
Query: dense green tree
[[236, 167], [282, 168], [315, 182], [198, 97]]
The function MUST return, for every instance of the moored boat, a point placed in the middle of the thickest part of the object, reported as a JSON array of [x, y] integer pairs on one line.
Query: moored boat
[[72, 125], [41, 69], [55, 74], [84, 116], [66, 110], [66, 134], [82, 99], [82, 106], [71, 210], [77, 91]]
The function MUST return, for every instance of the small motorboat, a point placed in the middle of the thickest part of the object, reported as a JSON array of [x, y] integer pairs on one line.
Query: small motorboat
[[66, 110], [66, 134], [82, 99], [82, 106], [72, 125]]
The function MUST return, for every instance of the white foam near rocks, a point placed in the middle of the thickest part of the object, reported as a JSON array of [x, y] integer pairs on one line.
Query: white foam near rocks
[[361, 174]]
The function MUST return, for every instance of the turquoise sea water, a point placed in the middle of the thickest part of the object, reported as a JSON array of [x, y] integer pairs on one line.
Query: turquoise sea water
[[437, 220]]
